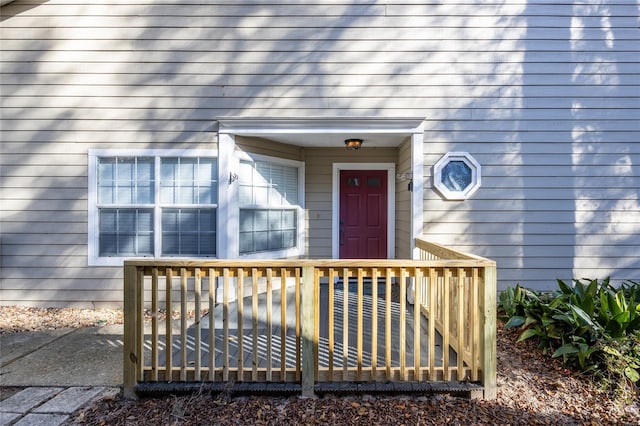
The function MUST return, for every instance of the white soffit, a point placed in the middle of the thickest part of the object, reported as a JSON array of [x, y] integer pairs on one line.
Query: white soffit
[[323, 132]]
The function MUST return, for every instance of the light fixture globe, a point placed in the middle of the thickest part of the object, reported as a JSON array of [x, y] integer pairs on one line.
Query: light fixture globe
[[353, 144]]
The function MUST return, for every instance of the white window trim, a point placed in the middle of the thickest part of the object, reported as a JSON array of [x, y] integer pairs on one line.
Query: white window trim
[[93, 258], [296, 251], [391, 203], [473, 165]]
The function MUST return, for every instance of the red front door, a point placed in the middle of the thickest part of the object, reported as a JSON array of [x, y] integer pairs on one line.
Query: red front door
[[363, 214]]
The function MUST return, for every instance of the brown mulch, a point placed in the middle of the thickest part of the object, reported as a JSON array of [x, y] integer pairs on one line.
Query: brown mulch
[[16, 319], [533, 390]]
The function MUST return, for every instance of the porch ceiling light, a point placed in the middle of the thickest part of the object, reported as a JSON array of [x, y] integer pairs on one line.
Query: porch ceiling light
[[353, 144], [456, 175]]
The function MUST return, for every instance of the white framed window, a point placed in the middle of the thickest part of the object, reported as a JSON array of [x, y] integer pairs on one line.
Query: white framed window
[[270, 207], [151, 203], [456, 175]]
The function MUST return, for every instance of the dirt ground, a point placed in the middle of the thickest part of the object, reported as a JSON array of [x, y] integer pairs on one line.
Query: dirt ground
[[532, 389]]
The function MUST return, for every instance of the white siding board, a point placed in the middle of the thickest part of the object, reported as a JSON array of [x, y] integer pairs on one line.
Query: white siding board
[[112, 274], [236, 22], [300, 71], [240, 83], [79, 284]]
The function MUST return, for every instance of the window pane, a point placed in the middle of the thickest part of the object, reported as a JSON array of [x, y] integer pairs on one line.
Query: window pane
[[260, 220], [246, 220], [246, 242], [275, 240], [125, 181], [208, 181], [189, 181], [275, 219], [127, 221], [262, 229], [288, 239], [108, 244], [106, 181], [186, 181], [261, 241], [145, 220], [189, 232], [107, 221], [288, 219], [291, 185], [457, 176], [125, 232], [145, 181], [168, 177]]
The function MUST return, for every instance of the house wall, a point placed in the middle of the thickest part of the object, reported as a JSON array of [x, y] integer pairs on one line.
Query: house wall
[[545, 95], [270, 148]]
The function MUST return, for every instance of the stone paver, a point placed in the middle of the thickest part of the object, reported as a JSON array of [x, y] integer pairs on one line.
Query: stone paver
[[27, 399], [69, 400], [42, 420], [7, 418], [49, 406]]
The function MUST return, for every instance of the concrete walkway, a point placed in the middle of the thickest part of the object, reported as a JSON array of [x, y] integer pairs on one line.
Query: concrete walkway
[[61, 371]]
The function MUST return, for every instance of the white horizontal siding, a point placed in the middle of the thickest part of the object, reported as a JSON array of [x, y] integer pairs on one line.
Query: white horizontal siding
[[544, 94]]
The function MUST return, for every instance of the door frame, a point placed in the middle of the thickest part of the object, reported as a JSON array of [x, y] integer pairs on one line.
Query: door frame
[[391, 204]]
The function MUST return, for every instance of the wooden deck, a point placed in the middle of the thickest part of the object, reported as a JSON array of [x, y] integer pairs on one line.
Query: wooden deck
[[270, 340], [342, 321]]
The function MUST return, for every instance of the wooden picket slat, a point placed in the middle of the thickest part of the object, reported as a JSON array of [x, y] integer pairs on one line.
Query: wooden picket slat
[[225, 325], [254, 322], [284, 273], [183, 324], [475, 325], [240, 326], [331, 322], [360, 277], [417, 277], [387, 324], [345, 324], [168, 323], [403, 325], [432, 323], [374, 321], [140, 321], [197, 289], [269, 325], [446, 284], [298, 327], [212, 322], [460, 324], [154, 324]]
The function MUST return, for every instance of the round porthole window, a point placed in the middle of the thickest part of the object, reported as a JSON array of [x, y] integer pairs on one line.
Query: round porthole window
[[456, 175]]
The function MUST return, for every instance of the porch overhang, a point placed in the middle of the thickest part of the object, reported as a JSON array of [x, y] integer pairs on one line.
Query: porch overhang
[[325, 132]]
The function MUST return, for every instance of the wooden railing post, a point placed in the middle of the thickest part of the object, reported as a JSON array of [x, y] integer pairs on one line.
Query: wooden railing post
[[307, 318], [131, 357], [488, 340]]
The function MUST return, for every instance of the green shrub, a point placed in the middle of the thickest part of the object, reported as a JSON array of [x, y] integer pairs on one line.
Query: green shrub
[[592, 325]]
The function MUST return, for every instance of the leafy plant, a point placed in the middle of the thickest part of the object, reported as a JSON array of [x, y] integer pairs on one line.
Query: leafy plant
[[589, 323]]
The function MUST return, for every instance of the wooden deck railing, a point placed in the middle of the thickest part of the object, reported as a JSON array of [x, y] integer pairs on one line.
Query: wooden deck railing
[[311, 321]]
